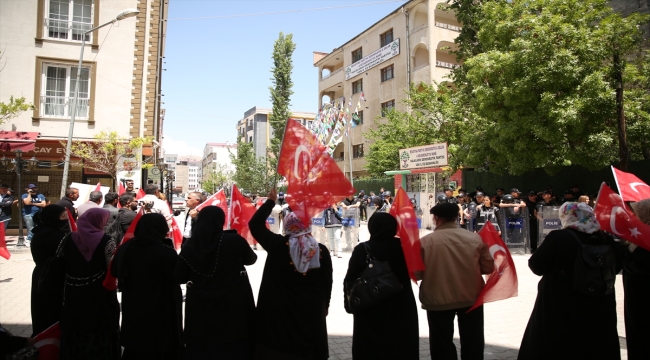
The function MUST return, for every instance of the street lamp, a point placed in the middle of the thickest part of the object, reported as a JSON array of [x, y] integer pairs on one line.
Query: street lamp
[[170, 179], [68, 149], [20, 165]]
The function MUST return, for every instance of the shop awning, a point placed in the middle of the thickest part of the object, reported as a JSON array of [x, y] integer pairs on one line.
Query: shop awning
[[17, 140]]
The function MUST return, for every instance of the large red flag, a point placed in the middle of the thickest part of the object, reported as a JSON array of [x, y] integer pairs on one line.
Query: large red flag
[[121, 190], [409, 233], [110, 282], [177, 235], [71, 222], [4, 252], [140, 194], [315, 181], [502, 283], [48, 343], [613, 217], [630, 186], [217, 199], [241, 212]]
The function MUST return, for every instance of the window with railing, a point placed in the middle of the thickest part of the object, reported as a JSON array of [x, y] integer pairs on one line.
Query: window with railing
[[57, 95], [357, 151], [69, 19], [385, 107]]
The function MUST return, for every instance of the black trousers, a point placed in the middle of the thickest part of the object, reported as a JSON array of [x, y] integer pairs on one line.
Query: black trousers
[[441, 334], [362, 213]]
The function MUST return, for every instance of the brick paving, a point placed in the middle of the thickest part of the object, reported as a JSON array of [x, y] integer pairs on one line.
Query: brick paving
[[505, 320]]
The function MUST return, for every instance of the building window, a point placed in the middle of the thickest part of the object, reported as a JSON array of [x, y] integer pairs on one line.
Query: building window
[[357, 86], [69, 19], [357, 151], [386, 38], [387, 73], [356, 55], [250, 139], [385, 107], [360, 116], [58, 92]]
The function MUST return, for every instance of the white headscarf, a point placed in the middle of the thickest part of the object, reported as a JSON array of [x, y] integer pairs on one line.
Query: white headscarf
[[302, 246]]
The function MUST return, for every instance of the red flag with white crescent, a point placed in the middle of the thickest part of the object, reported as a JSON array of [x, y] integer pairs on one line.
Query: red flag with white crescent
[[241, 212], [217, 199], [409, 233], [110, 282], [502, 283], [614, 218], [4, 252], [48, 343], [630, 187], [177, 235]]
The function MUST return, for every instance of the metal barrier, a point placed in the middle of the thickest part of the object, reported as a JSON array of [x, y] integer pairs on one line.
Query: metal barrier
[[515, 229], [350, 229], [548, 219]]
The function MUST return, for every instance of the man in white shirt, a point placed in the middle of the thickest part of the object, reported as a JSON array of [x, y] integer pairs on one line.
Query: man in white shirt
[[153, 204], [192, 200]]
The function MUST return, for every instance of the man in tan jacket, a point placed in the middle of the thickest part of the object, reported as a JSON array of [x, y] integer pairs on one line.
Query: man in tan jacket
[[454, 259]]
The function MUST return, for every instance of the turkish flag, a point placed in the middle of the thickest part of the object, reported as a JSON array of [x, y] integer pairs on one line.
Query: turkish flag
[[502, 283], [630, 186], [140, 194], [218, 199], [121, 189], [71, 222], [177, 235], [315, 181], [614, 218], [241, 211], [110, 282], [409, 234], [98, 187], [4, 252], [48, 343]]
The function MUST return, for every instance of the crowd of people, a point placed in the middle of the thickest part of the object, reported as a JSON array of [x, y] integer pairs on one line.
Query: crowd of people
[[222, 321]]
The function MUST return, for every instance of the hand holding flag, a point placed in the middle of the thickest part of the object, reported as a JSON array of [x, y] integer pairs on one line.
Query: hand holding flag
[[614, 218], [409, 233]]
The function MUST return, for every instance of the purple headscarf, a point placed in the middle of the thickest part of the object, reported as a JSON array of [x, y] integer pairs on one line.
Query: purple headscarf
[[90, 231]]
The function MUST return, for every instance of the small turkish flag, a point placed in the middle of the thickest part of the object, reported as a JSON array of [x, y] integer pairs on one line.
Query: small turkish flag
[[614, 218], [48, 343], [110, 282], [98, 187], [4, 252], [630, 186], [71, 222], [241, 212], [502, 283], [409, 233], [218, 199], [177, 235]]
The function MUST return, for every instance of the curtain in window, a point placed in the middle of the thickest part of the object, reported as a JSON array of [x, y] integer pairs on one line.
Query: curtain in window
[[84, 91], [55, 91], [81, 18], [57, 22]]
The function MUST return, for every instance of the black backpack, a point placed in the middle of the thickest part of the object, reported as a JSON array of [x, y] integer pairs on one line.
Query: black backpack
[[594, 269], [114, 229]]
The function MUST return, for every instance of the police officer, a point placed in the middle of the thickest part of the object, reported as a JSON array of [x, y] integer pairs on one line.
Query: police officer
[[449, 193]]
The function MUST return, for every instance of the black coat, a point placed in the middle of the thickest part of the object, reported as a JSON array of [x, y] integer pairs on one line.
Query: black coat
[[219, 306], [565, 324], [636, 280], [5, 205], [290, 318], [68, 204], [151, 299], [389, 329]]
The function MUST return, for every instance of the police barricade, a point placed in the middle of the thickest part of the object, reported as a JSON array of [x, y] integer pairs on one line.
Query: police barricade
[[514, 229], [470, 217], [369, 211], [548, 218], [350, 229], [273, 221], [318, 229]]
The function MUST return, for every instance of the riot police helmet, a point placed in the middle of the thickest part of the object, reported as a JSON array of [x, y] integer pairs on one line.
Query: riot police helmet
[[442, 199], [508, 199]]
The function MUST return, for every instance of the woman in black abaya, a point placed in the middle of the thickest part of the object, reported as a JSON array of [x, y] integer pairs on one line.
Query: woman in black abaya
[[389, 329]]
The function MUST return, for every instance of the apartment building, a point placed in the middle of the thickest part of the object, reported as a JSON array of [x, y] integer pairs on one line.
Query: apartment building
[[217, 156], [255, 128], [119, 86], [409, 45]]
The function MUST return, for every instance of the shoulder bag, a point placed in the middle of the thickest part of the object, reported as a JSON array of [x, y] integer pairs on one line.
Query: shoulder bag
[[376, 283]]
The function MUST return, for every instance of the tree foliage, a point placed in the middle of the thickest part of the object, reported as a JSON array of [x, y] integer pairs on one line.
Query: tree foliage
[[218, 178], [13, 108], [280, 92], [110, 153], [252, 174]]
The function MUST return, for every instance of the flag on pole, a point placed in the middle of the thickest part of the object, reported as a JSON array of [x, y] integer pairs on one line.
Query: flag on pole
[[110, 282], [241, 211], [630, 187], [48, 343], [614, 218], [502, 283], [408, 232], [71, 222], [4, 252], [315, 181]]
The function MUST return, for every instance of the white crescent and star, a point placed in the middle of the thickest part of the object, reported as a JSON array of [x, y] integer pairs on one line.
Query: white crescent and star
[[235, 213], [635, 184], [496, 247], [612, 219], [300, 149]]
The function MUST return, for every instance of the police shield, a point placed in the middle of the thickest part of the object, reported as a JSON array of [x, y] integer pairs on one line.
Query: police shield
[[370, 210], [318, 228], [273, 221], [470, 219], [514, 229], [548, 218], [350, 228]]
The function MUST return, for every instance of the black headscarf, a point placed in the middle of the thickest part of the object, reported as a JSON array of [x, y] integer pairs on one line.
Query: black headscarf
[[382, 225], [48, 217], [206, 233], [151, 228]]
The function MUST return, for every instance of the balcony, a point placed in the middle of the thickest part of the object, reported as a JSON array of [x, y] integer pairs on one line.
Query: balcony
[[331, 74], [448, 26], [332, 79], [59, 107], [446, 64]]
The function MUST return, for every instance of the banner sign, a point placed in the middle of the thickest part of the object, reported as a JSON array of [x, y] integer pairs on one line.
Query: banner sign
[[421, 157], [386, 52]]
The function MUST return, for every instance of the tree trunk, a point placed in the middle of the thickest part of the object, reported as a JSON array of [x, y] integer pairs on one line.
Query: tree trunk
[[646, 153], [623, 149]]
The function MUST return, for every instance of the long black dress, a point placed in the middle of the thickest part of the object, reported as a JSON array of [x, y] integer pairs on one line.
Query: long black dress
[[47, 303], [636, 280], [90, 318], [152, 318], [389, 329], [565, 324], [290, 319]]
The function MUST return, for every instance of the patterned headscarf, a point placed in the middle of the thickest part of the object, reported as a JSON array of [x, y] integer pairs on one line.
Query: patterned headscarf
[[302, 246], [642, 210], [578, 216]]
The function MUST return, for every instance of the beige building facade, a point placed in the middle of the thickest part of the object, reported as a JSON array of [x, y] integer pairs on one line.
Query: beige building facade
[[409, 45], [216, 157]]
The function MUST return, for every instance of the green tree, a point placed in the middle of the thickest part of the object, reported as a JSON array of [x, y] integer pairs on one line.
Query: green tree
[[280, 93], [218, 178], [637, 105], [252, 174], [13, 108]]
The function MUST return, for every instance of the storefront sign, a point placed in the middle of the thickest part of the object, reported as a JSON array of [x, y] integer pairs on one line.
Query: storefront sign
[[387, 52], [421, 157]]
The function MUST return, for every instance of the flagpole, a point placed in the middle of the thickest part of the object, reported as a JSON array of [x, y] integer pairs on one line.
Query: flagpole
[[230, 207], [350, 154]]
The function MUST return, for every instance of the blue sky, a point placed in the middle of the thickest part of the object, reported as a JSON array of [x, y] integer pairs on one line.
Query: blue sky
[[218, 68]]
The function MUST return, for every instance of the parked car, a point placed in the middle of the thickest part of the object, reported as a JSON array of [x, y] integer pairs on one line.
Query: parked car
[[178, 203]]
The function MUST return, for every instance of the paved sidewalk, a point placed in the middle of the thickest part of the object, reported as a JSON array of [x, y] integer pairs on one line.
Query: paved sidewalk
[[505, 320]]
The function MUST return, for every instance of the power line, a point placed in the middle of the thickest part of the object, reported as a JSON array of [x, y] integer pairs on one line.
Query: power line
[[285, 11]]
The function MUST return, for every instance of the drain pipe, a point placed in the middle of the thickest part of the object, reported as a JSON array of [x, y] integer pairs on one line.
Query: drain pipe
[[408, 51]]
